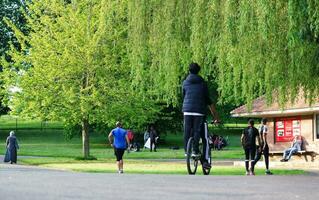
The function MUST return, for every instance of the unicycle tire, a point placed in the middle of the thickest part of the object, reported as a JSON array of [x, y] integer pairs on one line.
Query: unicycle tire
[[191, 162]]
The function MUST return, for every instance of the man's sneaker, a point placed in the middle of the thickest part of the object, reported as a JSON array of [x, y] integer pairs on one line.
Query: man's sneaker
[[252, 173], [283, 160], [247, 173], [206, 165], [121, 171], [194, 155], [268, 172]]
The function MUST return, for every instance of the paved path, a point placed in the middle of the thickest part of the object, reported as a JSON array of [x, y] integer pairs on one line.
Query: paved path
[[24, 183]]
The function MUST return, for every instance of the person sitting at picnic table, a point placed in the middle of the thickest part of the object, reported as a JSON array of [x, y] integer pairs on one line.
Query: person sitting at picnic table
[[218, 143], [295, 147]]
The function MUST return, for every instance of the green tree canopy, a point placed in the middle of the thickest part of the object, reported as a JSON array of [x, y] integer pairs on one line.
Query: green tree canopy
[[10, 9], [74, 66], [85, 55], [249, 47]]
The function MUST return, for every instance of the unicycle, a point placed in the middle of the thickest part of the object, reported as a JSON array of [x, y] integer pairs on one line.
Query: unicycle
[[192, 161]]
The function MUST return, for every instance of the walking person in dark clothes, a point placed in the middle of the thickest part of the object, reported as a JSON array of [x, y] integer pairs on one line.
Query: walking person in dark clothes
[[248, 141], [263, 130], [119, 140], [12, 147], [152, 135], [195, 102]]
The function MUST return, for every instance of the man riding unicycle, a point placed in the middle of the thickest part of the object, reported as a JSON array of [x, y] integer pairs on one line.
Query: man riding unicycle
[[195, 102]]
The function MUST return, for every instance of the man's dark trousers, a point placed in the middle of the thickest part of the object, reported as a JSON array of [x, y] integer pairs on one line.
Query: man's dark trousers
[[193, 123], [265, 151]]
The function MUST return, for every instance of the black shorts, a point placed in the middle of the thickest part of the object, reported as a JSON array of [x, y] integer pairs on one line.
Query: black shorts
[[119, 153]]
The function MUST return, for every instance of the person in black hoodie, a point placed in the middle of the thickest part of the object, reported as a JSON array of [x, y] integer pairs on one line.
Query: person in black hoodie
[[195, 102], [248, 140]]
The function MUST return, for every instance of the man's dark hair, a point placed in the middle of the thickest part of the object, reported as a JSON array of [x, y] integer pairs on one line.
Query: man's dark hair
[[118, 124], [194, 68], [264, 120], [251, 122]]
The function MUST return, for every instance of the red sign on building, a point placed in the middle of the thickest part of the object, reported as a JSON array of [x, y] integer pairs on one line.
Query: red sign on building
[[287, 128]]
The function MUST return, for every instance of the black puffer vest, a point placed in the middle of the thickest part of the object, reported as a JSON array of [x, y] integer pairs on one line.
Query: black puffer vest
[[195, 94]]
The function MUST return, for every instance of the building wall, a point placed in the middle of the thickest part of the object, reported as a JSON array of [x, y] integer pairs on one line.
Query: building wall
[[306, 131]]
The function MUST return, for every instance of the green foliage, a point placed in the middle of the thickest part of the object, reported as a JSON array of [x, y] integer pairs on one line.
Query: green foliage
[[73, 66], [79, 65], [275, 51], [85, 56], [10, 9], [248, 47], [165, 36]]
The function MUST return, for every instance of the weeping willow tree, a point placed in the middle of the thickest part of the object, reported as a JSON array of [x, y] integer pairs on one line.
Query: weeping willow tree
[[249, 48], [141, 49], [163, 42], [159, 37], [275, 50]]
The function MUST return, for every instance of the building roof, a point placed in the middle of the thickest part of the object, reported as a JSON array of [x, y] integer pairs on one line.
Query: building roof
[[261, 109]]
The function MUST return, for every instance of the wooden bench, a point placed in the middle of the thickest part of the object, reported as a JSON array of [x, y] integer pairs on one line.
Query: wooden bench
[[299, 153]]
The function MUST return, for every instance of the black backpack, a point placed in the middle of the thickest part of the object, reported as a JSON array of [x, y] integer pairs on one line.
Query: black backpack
[[249, 137]]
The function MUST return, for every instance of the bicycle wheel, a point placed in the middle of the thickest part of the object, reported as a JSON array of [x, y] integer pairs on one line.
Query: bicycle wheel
[[190, 161], [206, 171]]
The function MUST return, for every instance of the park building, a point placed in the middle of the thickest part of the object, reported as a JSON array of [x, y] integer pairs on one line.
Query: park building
[[298, 118]]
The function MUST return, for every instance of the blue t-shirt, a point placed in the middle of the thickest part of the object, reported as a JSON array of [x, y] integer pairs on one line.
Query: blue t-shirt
[[119, 138]]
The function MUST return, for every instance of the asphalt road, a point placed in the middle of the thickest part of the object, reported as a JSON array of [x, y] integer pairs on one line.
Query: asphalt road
[[24, 182]]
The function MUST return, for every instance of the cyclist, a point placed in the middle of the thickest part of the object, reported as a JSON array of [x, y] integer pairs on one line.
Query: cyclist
[[195, 102]]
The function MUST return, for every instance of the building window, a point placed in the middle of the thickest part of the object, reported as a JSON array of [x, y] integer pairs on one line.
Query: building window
[[317, 126]]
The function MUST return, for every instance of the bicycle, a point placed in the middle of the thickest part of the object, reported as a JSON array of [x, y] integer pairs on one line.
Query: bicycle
[[192, 162]]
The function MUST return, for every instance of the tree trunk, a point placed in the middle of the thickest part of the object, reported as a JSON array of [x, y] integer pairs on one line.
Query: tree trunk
[[85, 138]]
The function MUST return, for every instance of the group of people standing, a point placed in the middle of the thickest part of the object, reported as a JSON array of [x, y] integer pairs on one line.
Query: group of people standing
[[151, 135], [255, 144]]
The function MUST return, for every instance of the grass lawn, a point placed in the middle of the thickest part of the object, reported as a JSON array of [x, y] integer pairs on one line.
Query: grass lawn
[[57, 152], [10, 122], [141, 167], [52, 143]]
